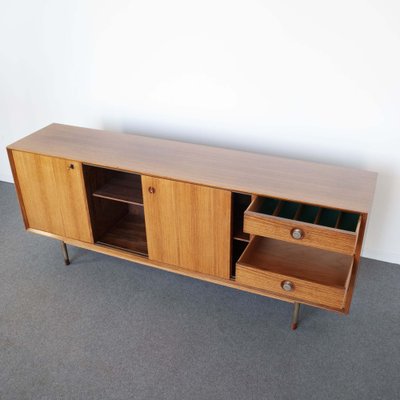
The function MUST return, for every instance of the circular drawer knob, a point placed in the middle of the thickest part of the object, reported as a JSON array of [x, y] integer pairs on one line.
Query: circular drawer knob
[[152, 190], [297, 233], [287, 286]]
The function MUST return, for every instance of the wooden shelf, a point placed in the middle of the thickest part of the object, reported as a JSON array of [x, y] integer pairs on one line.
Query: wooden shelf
[[128, 233], [244, 237], [297, 261], [123, 187]]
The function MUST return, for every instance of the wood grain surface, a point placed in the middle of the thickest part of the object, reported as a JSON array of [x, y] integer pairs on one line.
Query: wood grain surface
[[53, 195], [322, 237], [128, 233], [317, 275], [126, 188], [302, 181], [188, 225], [39, 192], [304, 291], [72, 199]]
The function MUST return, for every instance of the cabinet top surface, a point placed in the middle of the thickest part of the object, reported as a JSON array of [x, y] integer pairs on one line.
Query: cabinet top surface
[[301, 181]]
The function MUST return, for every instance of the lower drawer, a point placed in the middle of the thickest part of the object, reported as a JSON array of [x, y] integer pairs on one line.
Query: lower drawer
[[295, 272]]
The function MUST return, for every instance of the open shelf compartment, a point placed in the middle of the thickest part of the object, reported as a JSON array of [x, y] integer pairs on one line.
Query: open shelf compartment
[[121, 186], [116, 209], [128, 233], [240, 202], [239, 239]]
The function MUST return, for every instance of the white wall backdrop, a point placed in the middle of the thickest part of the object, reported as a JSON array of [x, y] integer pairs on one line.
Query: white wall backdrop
[[307, 79]]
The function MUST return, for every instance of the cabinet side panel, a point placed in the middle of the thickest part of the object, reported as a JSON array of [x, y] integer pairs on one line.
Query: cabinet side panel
[[38, 190], [160, 218], [17, 187], [357, 258], [73, 201]]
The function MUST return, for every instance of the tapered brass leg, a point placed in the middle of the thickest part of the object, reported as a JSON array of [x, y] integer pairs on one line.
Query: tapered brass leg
[[295, 316], [65, 252]]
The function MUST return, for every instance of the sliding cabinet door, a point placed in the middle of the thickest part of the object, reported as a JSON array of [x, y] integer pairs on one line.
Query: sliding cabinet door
[[188, 225], [72, 199], [53, 195], [38, 189]]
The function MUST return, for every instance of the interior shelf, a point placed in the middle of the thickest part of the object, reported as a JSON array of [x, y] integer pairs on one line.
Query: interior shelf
[[128, 233], [307, 263], [245, 237], [116, 208], [122, 187]]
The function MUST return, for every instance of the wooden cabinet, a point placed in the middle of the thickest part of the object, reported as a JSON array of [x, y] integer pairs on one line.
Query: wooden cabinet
[[53, 195], [286, 229], [188, 225]]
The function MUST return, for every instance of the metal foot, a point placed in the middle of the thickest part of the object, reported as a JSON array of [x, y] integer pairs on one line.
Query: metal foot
[[295, 316], [65, 252]]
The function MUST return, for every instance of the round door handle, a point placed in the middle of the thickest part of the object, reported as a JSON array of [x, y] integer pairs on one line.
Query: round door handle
[[287, 286], [297, 233], [152, 190]]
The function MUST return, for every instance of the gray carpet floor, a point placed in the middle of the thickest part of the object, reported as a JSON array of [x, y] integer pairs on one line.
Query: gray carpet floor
[[104, 328]]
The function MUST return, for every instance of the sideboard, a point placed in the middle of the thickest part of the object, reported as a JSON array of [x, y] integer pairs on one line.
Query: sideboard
[[282, 228]]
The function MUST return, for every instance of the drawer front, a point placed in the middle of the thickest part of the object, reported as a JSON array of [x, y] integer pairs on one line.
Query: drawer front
[[294, 231], [303, 291]]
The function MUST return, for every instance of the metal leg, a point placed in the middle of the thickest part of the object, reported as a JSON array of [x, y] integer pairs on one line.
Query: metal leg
[[65, 252], [295, 316]]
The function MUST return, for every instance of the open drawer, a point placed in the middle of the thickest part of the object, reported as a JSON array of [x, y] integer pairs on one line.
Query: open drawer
[[305, 224], [305, 274]]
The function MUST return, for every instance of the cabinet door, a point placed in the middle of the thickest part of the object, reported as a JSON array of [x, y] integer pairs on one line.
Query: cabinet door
[[72, 199], [53, 195], [188, 225]]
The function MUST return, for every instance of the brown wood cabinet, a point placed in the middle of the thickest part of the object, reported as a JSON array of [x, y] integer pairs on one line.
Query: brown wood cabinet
[[281, 228]]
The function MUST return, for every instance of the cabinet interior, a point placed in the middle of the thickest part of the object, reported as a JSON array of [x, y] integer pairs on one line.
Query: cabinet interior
[[240, 202], [116, 208], [240, 239]]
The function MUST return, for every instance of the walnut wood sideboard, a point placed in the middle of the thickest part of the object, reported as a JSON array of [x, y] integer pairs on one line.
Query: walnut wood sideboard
[[282, 228]]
